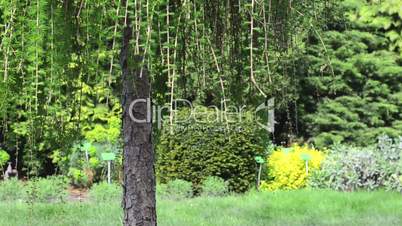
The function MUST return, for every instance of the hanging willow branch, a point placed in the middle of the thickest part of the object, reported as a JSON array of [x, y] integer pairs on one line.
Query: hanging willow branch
[[221, 83], [320, 38], [170, 78], [252, 78], [266, 23], [8, 28], [37, 56], [114, 43], [150, 14]]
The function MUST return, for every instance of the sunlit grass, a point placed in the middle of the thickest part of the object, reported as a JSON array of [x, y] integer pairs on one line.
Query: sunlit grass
[[293, 208]]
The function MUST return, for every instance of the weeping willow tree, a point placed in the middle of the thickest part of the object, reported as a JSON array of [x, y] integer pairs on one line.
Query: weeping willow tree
[[60, 63], [208, 52]]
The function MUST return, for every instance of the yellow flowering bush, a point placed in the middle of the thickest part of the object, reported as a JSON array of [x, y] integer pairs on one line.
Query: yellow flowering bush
[[287, 167]]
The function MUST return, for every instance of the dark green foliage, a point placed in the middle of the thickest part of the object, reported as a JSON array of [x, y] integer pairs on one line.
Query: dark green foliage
[[351, 91], [193, 150]]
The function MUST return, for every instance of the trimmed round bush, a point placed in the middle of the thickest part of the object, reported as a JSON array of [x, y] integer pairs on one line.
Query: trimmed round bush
[[214, 186], [198, 147], [179, 189]]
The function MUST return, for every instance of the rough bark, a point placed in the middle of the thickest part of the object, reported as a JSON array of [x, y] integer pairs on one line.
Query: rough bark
[[138, 165]]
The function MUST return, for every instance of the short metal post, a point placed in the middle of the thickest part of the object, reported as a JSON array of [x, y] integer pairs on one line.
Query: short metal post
[[306, 167], [259, 177], [108, 172]]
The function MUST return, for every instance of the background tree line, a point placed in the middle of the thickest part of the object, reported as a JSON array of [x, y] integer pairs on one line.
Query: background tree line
[[333, 67]]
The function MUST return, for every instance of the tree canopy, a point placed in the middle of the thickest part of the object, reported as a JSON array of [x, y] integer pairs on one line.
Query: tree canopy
[[334, 67]]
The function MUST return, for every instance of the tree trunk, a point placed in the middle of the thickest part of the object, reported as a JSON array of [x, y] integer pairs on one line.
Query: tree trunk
[[138, 165]]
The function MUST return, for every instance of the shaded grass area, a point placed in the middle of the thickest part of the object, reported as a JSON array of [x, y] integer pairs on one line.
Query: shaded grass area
[[293, 208]]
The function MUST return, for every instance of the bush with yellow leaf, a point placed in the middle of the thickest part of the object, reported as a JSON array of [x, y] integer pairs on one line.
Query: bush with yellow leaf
[[288, 168]]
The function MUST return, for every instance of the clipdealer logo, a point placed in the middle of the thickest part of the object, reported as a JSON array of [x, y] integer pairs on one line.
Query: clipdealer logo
[[154, 113]]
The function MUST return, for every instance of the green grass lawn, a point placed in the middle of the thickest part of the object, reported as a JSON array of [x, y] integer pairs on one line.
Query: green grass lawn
[[293, 208]]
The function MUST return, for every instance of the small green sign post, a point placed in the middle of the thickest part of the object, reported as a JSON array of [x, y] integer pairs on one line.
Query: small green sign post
[[109, 157], [306, 157], [259, 161]]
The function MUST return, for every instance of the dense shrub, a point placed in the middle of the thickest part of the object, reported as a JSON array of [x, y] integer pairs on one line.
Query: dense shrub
[[391, 153], [103, 191], [196, 148], [214, 186], [349, 168], [287, 167], [352, 93]]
